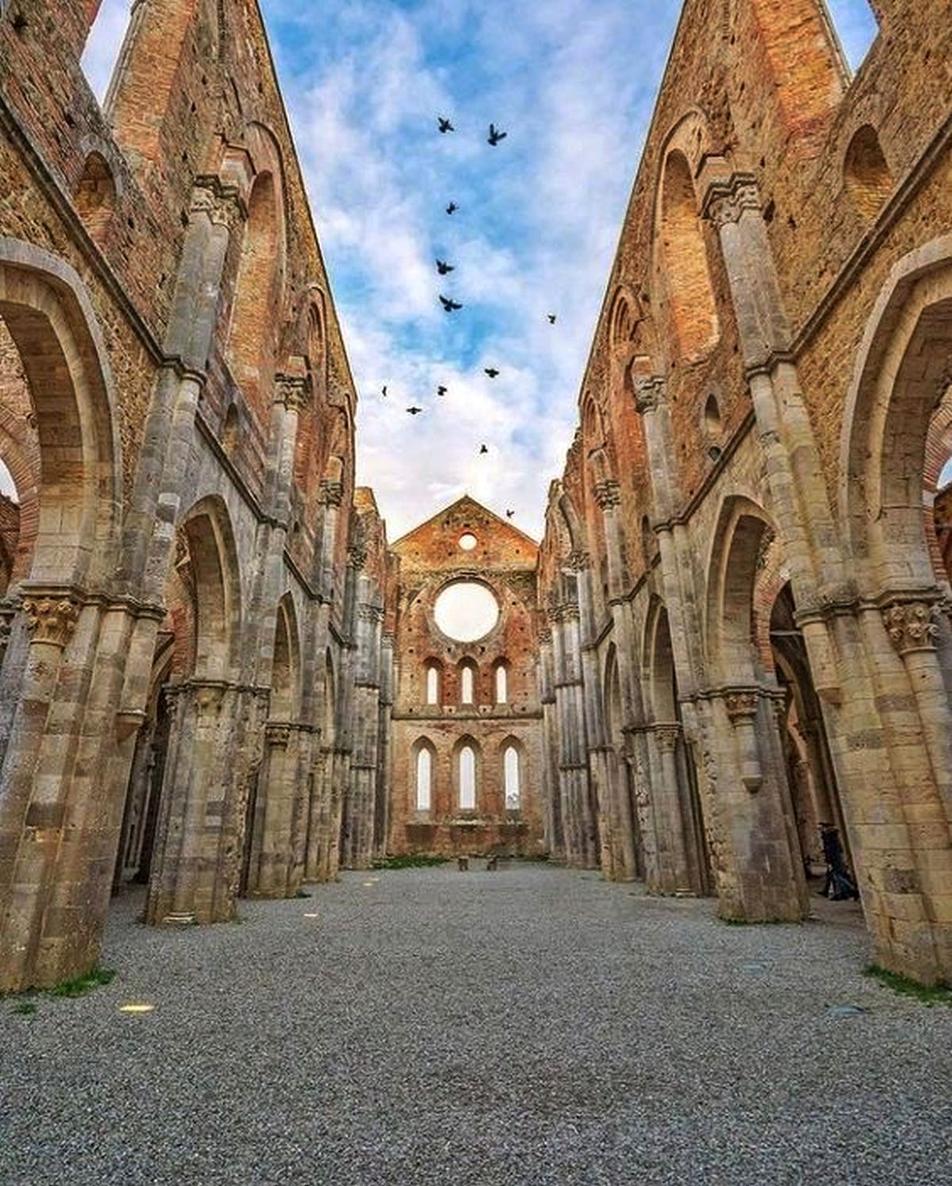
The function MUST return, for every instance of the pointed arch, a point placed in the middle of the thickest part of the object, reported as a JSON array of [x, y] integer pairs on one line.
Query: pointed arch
[[286, 663], [513, 761], [467, 763], [902, 375], [743, 530], [423, 757], [217, 584], [467, 682], [48, 315]]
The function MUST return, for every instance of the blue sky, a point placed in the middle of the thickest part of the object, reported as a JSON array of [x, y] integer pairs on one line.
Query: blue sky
[[573, 82]]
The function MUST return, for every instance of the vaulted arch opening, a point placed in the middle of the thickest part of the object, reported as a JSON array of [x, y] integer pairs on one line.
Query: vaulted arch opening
[[867, 177], [692, 312], [250, 337]]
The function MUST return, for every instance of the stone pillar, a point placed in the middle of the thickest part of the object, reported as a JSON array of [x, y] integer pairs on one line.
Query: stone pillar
[[213, 758], [551, 792], [271, 869], [359, 830], [581, 840], [384, 747], [608, 497]]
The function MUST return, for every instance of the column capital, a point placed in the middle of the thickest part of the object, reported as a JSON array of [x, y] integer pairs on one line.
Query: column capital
[[294, 393], [668, 735], [650, 394], [370, 613], [578, 560], [741, 705], [277, 734], [223, 204], [51, 618], [911, 625], [332, 493], [608, 494], [356, 557], [727, 198]]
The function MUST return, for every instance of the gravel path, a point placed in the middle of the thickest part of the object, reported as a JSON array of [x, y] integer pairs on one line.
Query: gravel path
[[534, 1026]]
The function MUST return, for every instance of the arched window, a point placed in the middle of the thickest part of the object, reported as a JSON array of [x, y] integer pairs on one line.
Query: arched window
[[424, 778], [868, 179], [511, 778], [467, 684], [684, 255], [502, 684], [432, 684], [467, 778], [95, 196]]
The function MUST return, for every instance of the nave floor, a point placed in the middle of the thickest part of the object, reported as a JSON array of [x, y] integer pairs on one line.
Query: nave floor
[[531, 1026]]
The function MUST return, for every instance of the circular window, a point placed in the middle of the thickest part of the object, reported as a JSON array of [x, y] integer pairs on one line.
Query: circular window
[[467, 541], [466, 610]]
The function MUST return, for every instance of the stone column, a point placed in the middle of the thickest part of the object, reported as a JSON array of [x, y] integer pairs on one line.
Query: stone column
[[359, 835], [581, 832], [551, 797], [384, 747], [608, 497]]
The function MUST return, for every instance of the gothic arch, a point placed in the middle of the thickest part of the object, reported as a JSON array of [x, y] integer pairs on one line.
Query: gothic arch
[[743, 531], [214, 559], [286, 663], [47, 313], [902, 373]]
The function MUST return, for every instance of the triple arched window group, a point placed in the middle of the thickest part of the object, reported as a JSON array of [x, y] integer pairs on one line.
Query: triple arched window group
[[468, 683], [467, 769]]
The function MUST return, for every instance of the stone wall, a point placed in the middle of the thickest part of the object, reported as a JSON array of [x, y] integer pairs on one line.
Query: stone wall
[[447, 711], [743, 562], [183, 637]]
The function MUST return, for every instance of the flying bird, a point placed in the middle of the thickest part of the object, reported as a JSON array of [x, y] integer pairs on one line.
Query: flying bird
[[444, 268], [445, 125], [449, 306], [441, 390], [552, 319], [383, 391], [491, 372], [452, 208], [414, 411], [509, 514], [495, 135], [483, 449]]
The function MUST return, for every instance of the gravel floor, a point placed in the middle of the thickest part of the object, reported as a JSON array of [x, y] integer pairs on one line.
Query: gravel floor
[[532, 1026]]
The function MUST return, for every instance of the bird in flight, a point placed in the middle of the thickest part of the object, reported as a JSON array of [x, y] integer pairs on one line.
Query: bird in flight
[[444, 268], [383, 391], [491, 372], [441, 390], [552, 319], [509, 514], [495, 135], [414, 411], [445, 125], [449, 306], [483, 449], [452, 208]]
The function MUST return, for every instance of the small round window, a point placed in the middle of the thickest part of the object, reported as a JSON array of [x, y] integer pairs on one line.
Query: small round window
[[467, 541], [466, 611]]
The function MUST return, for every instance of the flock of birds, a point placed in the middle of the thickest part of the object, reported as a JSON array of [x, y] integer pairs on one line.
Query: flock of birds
[[443, 268]]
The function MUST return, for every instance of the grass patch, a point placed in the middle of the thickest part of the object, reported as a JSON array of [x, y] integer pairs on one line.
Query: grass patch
[[303, 894], [759, 922], [410, 861], [25, 1008], [937, 994], [80, 985]]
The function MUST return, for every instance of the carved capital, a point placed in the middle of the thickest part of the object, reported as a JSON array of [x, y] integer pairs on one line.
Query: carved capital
[[741, 705], [650, 394], [545, 636], [578, 561], [668, 736], [332, 493], [727, 200], [51, 619], [356, 557], [222, 204], [293, 393], [370, 613], [607, 494], [277, 733], [911, 625]]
